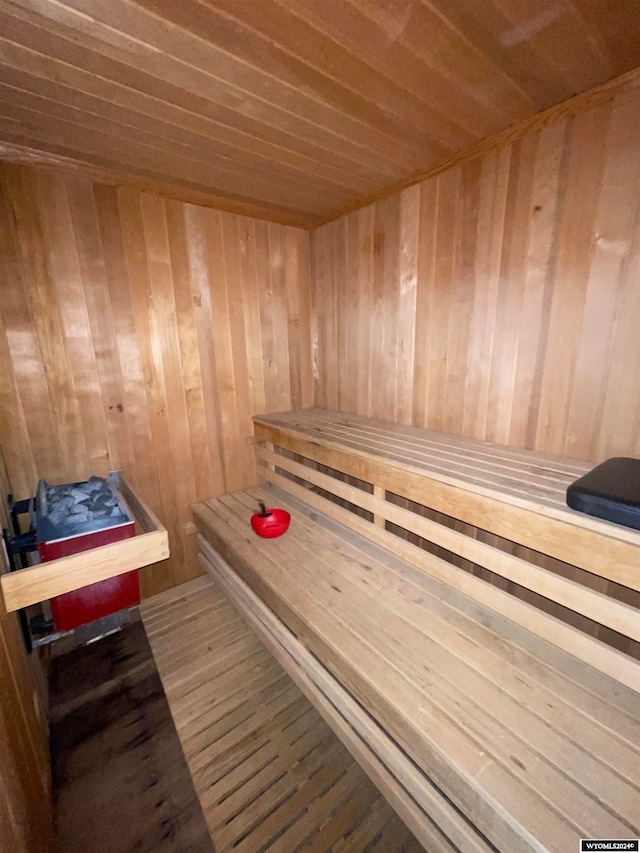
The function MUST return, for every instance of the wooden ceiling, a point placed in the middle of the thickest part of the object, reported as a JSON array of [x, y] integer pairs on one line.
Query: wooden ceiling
[[291, 110]]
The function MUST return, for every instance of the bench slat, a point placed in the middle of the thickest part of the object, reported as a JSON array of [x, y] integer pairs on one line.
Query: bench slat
[[521, 678], [347, 719], [396, 432], [509, 647], [450, 675], [526, 804], [484, 470]]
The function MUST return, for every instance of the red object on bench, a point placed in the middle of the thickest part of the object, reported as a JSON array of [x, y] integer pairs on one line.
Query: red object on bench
[[270, 522]]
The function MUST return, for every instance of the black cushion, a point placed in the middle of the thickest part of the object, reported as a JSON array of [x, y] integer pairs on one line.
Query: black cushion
[[610, 491]]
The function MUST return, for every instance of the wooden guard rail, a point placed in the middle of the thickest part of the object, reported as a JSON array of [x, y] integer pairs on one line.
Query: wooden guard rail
[[46, 580], [486, 720]]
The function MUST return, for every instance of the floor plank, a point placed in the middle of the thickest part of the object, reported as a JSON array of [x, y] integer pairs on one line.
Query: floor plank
[[121, 783], [269, 772]]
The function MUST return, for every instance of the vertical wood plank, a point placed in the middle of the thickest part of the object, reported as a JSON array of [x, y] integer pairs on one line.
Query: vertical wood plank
[[376, 317], [38, 303], [102, 331], [129, 401], [252, 284], [461, 298], [362, 331], [390, 343], [26, 819], [575, 252], [424, 301], [236, 324], [341, 309], [149, 348], [493, 186], [509, 314], [614, 225], [203, 309], [178, 490], [278, 315], [408, 275], [67, 294], [537, 277], [192, 383], [302, 285]]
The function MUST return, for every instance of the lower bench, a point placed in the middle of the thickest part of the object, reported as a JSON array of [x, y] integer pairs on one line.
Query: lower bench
[[481, 733]]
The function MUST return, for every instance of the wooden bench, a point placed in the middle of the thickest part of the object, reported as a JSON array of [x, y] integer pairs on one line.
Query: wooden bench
[[487, 721]]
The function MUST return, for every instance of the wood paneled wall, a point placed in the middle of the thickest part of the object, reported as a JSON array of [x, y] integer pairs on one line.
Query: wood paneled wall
[[142, 333], [500, 299], [26, 820]]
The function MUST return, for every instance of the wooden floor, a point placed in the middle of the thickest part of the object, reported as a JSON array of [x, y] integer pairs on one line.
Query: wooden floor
[[269, 773], [120, 781]]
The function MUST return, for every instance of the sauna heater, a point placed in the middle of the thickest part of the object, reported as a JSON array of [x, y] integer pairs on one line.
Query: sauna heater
[[77, 517]]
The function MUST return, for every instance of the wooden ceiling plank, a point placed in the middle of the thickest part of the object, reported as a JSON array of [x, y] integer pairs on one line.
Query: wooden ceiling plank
[[260, 68], [167, 52], [291, 51], [416, 70], [210, 97], [31, 139], [99, 137], [481, 25], [620, 44], [22, 151], [161, 136], [559, 38], [455, 73], [45, 76], [100, 72]]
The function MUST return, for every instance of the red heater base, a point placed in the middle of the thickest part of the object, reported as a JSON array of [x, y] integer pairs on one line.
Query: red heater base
[[95, 601]]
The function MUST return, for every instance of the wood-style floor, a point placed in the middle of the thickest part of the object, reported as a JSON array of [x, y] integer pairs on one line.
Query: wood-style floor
[[269, 773], [121, 783]]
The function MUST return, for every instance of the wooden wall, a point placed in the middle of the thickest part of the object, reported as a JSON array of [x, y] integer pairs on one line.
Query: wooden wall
[[142, 333], [25, 805], [26, 822], [500, 299]]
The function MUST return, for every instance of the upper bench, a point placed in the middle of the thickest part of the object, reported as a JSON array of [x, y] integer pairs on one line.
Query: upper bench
[[516, 494]]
